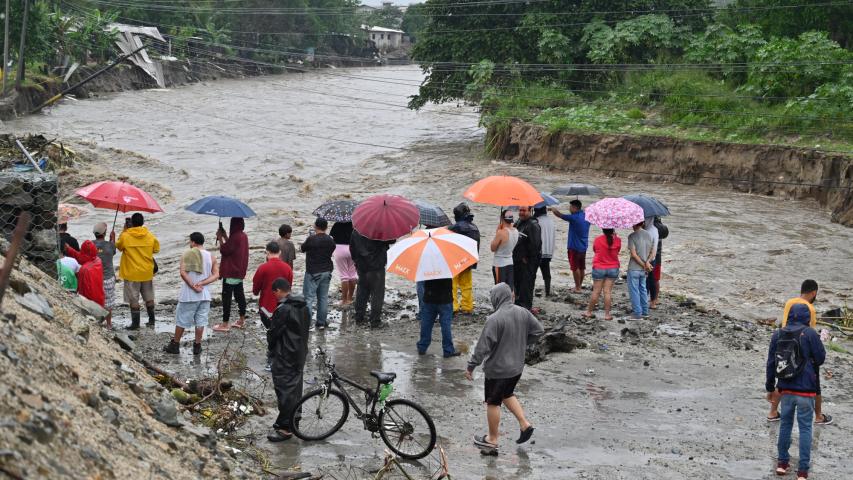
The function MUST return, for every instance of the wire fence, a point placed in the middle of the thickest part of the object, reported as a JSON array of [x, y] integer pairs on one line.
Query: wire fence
[[38, 194]]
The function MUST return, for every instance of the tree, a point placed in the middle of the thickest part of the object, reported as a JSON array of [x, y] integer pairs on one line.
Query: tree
[[835, 19], [389, 16], [415, 20]]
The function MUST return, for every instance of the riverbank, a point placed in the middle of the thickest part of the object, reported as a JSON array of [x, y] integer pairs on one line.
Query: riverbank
[[772, 170]]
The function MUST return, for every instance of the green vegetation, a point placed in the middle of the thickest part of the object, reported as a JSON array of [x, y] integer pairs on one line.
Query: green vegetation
[[688, 71], [836, 348]]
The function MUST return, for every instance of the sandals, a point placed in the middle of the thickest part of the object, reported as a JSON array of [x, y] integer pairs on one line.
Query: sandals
[[827, 419], [278, 435], [222, 327], [481, 442], [774, 419], [587, 315], [239, 324]]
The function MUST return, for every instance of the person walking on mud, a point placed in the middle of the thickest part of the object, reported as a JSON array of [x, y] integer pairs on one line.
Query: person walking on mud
[[605, 271], [526, 257], [463, 284], [578, 241], [341, 233], [262, 281], [549, 238], [651, 286], [653, 282], [642, 252], [137, 267], [501, 350], [793, 359], [318, 249], [808, 295], [287, 340], [198, 270], [234, 248], [370, 257], [503, 244]]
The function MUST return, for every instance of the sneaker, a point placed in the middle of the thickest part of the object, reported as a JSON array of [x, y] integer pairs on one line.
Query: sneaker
[[782, 468], [196, 349], [827, 419], [453, 354], [173, 347], [279, 436]]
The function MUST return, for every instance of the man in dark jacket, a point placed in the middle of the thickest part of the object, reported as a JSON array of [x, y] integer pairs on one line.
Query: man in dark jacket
[[526, 257], [370, 257], [234, 247], [464, 282], [798, 392], [287, 340], [318, 249]]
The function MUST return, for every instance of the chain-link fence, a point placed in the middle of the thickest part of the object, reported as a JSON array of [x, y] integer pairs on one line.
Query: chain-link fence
[[38, 194]]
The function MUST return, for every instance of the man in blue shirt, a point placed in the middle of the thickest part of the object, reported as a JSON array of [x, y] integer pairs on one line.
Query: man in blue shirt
[[578, 240]]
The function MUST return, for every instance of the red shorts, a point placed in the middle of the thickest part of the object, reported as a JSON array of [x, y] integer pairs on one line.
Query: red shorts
[[577, 260], [656, 272]]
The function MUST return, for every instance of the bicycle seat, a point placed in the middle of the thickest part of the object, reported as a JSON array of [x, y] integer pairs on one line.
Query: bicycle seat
[[383, 377]]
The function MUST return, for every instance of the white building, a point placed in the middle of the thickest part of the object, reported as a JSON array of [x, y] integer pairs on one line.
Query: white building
[[385, 39]]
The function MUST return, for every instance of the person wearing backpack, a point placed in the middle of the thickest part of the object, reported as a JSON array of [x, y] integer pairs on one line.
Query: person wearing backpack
[[793, 359]]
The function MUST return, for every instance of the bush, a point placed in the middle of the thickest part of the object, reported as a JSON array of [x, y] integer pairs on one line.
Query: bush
[[638, 40], [721, 44]]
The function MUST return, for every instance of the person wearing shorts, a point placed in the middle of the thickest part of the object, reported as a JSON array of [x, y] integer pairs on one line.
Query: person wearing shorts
[[503, 244], [198, 270], [578, 241], [138, 246], [500, 349], [605, 271], [106, 252]]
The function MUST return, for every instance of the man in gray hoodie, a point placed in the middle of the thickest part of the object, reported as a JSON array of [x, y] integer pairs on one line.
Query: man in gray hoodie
[[500, 349]]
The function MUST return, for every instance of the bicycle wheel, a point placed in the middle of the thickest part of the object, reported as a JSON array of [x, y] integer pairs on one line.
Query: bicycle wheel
[[407, 429], [317, 417]]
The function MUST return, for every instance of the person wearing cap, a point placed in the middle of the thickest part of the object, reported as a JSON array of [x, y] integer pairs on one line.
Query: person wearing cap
[[506, 237], [464, 282], [526, 257], [106, 252]]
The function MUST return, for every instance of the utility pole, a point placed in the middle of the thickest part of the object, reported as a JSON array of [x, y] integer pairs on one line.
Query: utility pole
[[21, 60], [6, 49]]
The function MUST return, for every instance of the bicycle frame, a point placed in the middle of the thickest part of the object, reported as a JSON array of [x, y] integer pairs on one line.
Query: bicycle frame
[[338, 380]]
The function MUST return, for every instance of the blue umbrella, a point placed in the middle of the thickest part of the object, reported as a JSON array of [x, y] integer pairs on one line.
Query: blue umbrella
[[547, 201], [220, 206], [652, 207]]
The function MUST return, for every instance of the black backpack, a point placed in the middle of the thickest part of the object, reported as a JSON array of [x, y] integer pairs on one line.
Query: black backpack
[[789, 356]]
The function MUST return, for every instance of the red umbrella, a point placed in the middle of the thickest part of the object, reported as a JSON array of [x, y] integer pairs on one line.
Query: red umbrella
[[385, 217], [119, 196]]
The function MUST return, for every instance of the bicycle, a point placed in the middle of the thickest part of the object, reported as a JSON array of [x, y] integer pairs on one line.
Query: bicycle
[[402, 424]]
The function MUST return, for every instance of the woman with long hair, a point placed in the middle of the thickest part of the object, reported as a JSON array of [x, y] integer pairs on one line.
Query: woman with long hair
[[605, 271]]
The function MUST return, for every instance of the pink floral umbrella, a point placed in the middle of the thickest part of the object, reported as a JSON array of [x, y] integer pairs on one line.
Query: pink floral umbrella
[[614, 213]]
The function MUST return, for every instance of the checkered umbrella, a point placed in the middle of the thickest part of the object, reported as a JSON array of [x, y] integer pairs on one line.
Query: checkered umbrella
[[432, 215]]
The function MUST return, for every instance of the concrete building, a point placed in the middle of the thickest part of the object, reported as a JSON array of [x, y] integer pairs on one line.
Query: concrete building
[[385, 39]]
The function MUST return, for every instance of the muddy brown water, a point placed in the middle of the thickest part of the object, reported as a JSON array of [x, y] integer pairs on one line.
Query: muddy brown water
[[259, 139]]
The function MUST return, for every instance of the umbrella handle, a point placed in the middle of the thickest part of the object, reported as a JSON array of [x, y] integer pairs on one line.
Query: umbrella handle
[[115, 220]]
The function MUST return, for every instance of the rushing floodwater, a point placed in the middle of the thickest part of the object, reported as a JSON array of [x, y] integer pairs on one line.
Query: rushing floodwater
[[268, 141]]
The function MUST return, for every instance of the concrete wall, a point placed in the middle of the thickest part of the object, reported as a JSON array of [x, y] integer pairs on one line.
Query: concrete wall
[[37, 194]]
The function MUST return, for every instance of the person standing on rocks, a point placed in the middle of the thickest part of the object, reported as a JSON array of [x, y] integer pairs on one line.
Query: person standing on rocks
[[503, 244], [808, 295], [136, 268], [501, 350], [287, 340], [67, 269], [526, 256], [642, 252], [318, 249], [549, 238], [654, 277], [285, 245], [234, 248], [370, 257], [793, 359], [437, 304], [463, 284], [198, 270], [341, 233], [605, 271], [65, 238], [90, 276], [578, 241], [651, 285], [106, 252], [262, 282]]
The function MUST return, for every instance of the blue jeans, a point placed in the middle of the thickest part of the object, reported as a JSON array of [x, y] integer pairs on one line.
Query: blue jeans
[[804, 407], [315, 287], [419, 286], [429, 312], [637, 291]]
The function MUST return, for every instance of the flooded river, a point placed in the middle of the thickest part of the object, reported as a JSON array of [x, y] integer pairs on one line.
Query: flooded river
[[285, 143]]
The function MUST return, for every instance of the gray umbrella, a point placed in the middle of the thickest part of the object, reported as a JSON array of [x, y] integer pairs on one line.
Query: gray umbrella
[[432, 215], [652, 207], [577, 189], [336, 210]]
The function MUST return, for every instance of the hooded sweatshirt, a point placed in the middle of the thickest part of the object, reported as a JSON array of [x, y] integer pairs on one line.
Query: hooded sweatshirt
[[465, 226], [138, 246], [90, 277], [287, 337], [235, 252], [812, 351], [505, 337]]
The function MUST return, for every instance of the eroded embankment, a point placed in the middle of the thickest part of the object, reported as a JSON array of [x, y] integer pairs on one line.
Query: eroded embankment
[[763, 169]]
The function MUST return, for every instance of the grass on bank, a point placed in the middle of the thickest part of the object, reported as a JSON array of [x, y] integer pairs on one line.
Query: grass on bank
[[689, 105]]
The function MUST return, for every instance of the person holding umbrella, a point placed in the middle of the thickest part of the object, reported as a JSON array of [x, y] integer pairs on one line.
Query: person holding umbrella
[[137, 267], [641, 247], [526, 256], [234, 248]]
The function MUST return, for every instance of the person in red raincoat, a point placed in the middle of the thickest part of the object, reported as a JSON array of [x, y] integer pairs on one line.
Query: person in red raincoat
[[90, 277]]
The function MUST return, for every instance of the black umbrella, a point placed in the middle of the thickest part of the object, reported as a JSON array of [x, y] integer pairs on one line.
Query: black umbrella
[[336, 210], [577, 189], [432, 215], [652, 207]]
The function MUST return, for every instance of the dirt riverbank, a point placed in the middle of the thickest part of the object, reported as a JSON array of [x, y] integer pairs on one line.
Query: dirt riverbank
[[760, 169]]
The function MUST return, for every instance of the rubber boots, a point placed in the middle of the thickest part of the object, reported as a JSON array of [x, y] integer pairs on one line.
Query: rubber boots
[[134, 319], [150, 310]]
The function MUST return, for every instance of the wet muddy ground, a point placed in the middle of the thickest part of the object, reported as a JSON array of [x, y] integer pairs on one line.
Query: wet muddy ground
[[695, 411]]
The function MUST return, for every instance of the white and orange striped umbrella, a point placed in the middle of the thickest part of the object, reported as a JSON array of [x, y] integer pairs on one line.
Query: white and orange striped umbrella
[[432, 254]]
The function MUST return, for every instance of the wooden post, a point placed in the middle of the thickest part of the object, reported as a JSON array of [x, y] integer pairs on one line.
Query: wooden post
[[12, 253], [21, 60], [6, 48]]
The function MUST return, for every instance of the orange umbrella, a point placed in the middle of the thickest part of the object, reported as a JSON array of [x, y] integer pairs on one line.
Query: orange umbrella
[[503, 190], [432, 254]]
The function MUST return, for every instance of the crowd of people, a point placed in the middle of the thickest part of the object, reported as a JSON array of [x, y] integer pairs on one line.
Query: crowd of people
[[521, 248]]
